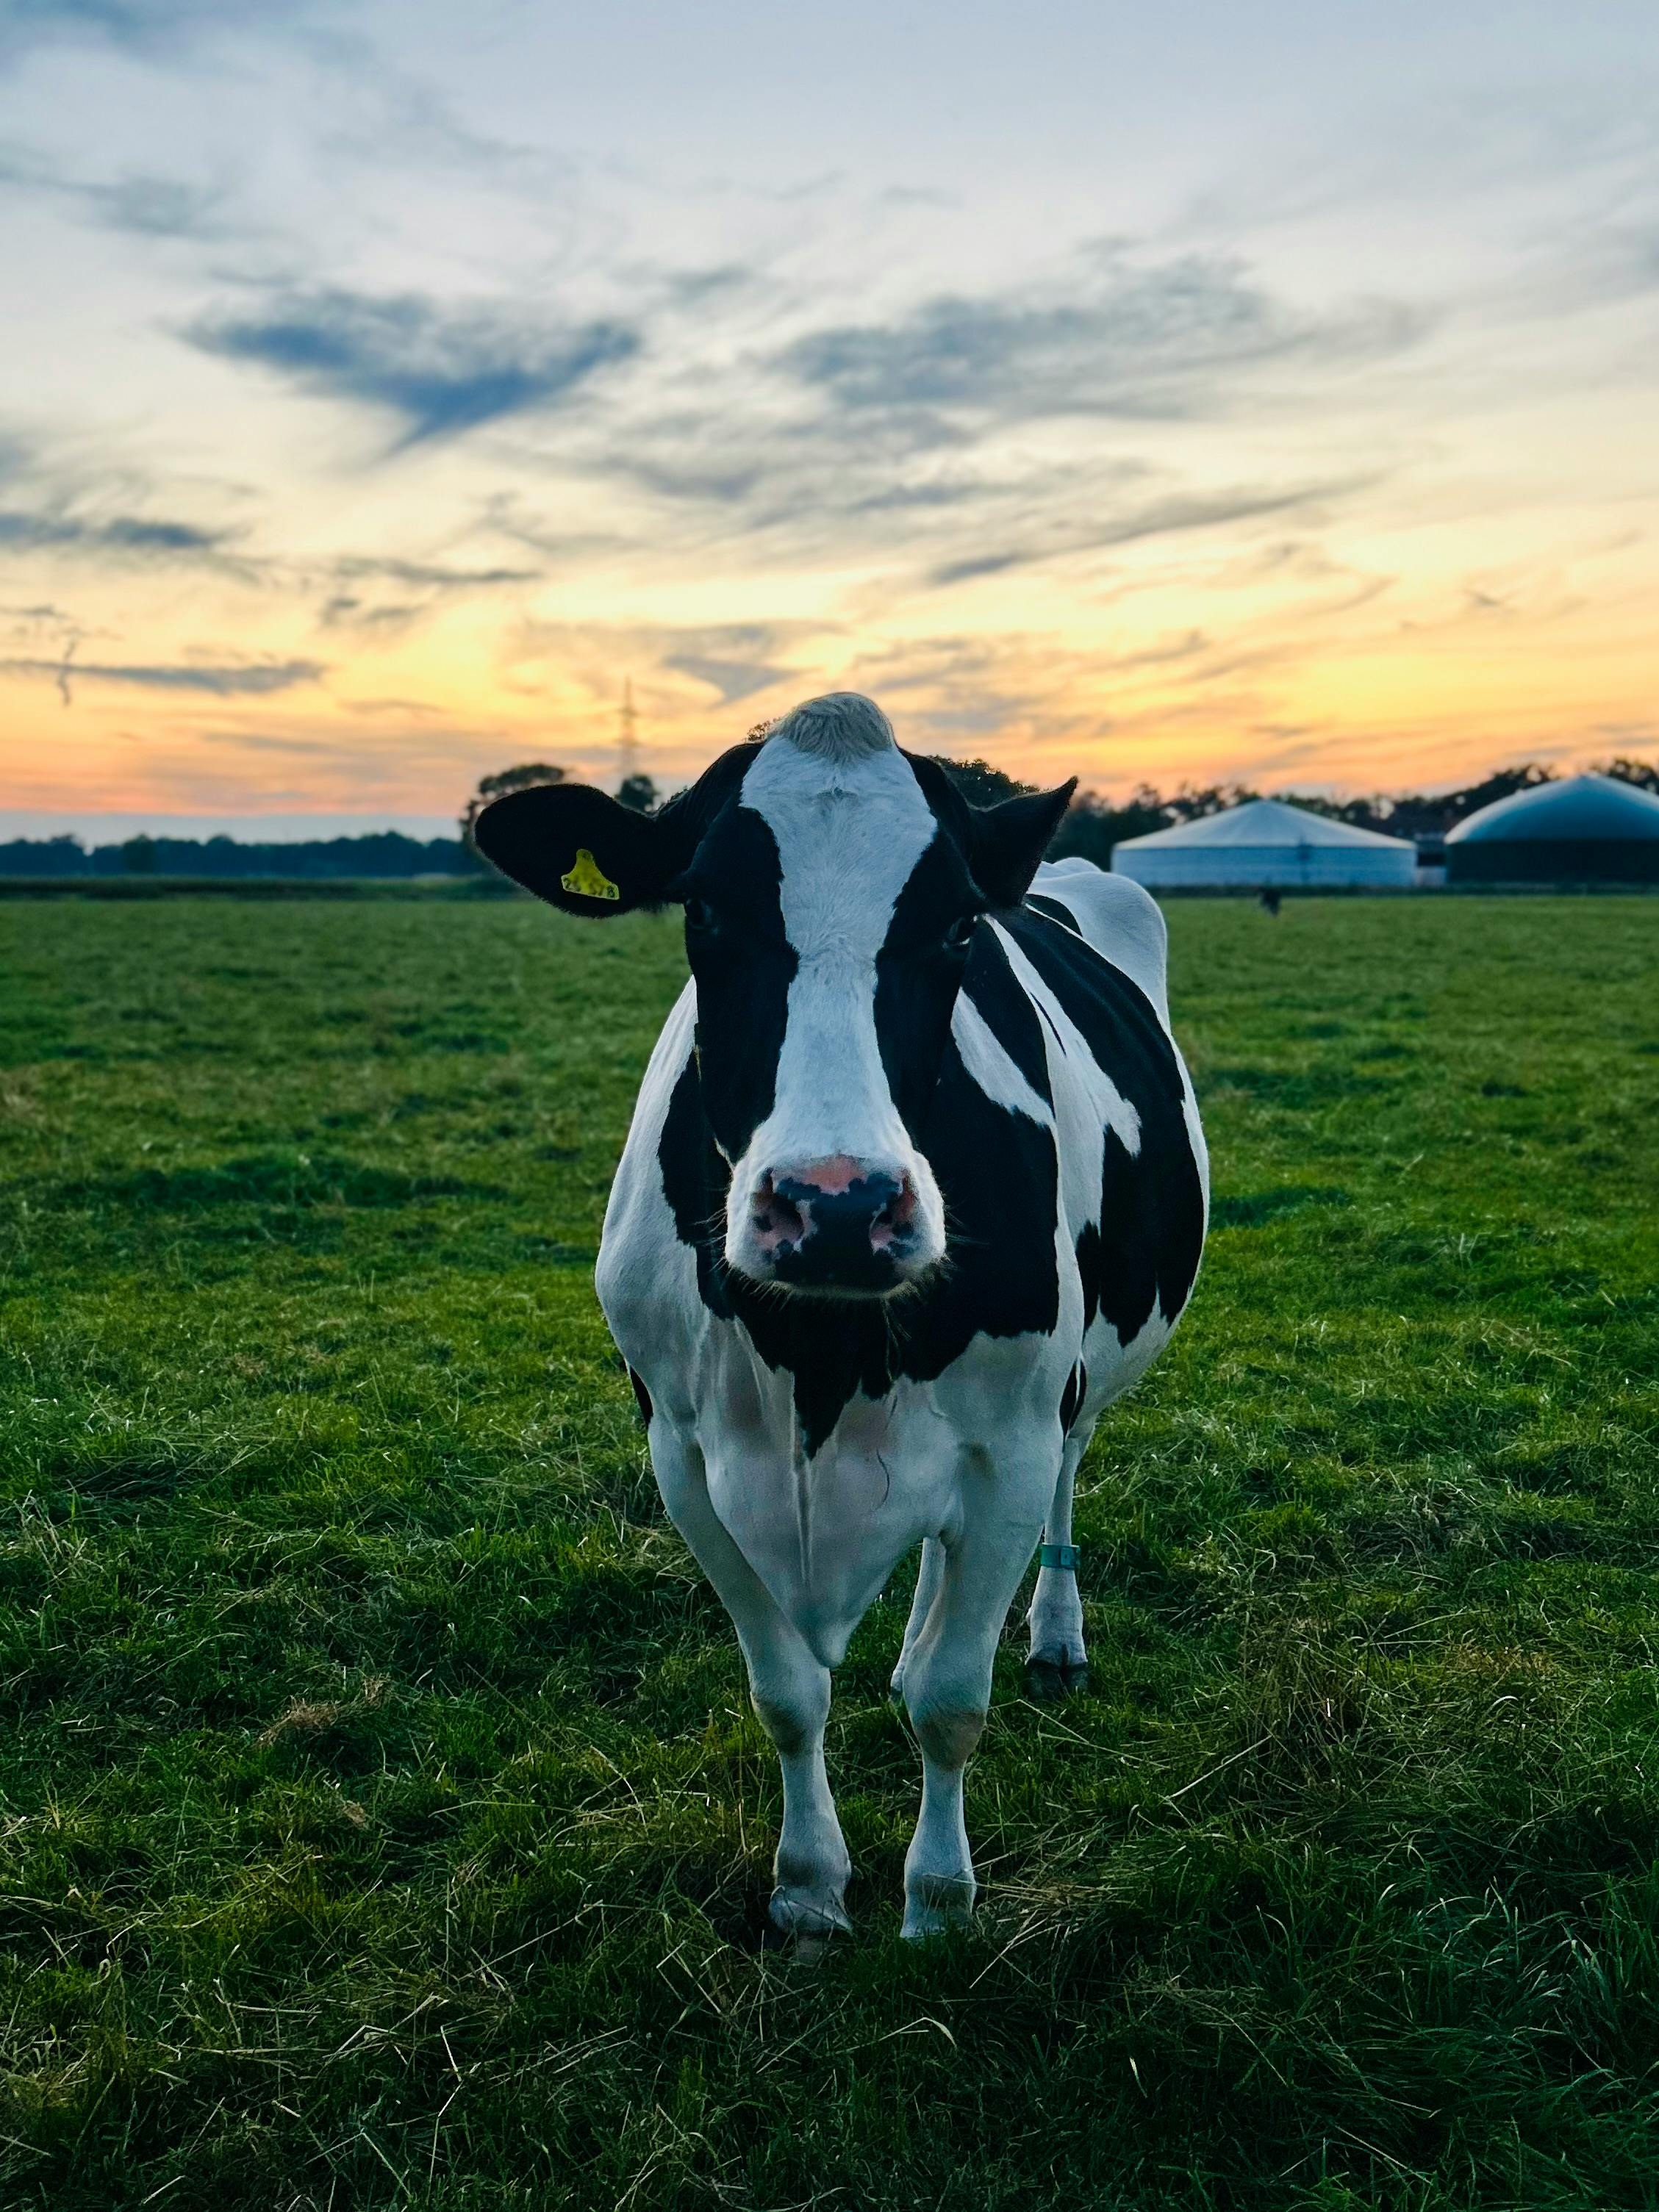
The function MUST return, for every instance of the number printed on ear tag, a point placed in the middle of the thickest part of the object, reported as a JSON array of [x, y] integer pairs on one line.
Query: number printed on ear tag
[[588, 879]]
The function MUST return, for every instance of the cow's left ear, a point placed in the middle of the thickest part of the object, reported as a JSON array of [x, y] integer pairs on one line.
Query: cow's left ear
[[1008, 841], [579, 849]]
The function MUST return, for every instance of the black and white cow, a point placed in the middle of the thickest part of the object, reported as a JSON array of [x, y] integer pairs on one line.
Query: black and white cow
[[915, 1186]]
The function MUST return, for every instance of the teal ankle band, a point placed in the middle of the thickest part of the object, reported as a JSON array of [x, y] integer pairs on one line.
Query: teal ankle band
[[1062, 1556]]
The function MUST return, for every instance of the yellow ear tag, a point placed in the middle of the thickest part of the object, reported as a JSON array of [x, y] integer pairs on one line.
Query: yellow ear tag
[[588, 879]]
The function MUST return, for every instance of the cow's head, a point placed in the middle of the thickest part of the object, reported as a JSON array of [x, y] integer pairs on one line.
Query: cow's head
[[831, 885]]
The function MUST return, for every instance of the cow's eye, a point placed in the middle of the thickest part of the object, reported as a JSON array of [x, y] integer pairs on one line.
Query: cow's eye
[[699, 914], [960, 934]]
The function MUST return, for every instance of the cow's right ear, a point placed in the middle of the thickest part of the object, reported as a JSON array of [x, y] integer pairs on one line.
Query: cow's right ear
[[579, 848]]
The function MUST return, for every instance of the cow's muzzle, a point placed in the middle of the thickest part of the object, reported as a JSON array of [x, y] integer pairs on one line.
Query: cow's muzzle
[[838, 1226]]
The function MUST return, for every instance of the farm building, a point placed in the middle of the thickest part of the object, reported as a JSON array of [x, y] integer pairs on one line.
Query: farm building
[[1589, 829], [1265, 842]]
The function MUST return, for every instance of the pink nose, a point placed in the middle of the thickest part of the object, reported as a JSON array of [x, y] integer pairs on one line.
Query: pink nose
[[839, 1223]]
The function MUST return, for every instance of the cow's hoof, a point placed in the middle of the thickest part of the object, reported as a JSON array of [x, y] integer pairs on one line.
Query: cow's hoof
[[1050, 1676], [810, 1919], [937, 1903]]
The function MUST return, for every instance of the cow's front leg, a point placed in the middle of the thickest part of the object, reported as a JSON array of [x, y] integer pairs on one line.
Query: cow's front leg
[[947, 1689], [790, 1691], [1059, 1663]]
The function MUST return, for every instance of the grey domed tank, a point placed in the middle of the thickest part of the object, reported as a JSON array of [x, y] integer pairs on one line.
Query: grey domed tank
[[1587, 829]]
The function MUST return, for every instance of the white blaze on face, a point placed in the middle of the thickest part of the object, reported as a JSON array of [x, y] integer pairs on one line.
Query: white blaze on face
[[850, 823]]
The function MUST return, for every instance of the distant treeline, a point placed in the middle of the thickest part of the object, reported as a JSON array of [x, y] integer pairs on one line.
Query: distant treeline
[[386, 854], [1093, 826]]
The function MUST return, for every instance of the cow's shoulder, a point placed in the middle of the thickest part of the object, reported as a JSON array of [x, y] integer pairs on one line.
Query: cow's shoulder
[[1113, 914], [1090, 950]]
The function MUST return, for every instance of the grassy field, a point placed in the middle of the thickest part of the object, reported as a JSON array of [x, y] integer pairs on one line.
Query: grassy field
[[382, 1823]]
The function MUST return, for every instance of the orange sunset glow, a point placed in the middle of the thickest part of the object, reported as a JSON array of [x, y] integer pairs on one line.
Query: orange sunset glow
[[1105, 400]]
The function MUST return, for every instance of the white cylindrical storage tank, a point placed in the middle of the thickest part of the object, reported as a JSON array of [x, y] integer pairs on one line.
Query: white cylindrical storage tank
[[1266, 844]]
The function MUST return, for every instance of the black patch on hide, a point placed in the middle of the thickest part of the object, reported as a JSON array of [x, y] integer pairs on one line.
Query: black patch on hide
[[1146, 1249], [1071, 1397], [641, 1396], [999, 998], [918, 974], [1046, 903], [744, 964]]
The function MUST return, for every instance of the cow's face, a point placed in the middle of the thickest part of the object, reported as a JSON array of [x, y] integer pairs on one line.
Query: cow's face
[[831, 888]]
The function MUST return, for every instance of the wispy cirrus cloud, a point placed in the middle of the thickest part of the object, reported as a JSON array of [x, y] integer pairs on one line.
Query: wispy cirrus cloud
[[1137, 340], [143, 26], [427, 575], [388, 595], [438, 369], [123, 544], [130, 536], [714, 666], [140, 203], [931, 439], [736, 660], [54, 508], [731, 680], [1166, 516], [240, 680]]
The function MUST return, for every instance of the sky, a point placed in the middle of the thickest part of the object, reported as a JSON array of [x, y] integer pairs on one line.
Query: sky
[[1259, 393]]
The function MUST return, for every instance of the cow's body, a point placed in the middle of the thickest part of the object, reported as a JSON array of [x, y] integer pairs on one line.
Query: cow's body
[[1049, 1146]]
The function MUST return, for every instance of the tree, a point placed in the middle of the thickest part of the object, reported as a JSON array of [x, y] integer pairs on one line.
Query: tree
[[492, 787], [1189, 805], [1642, 774], [43, 856], [138, 856], [1093, 825], [980, 784], [639, 792], [1413, 814]]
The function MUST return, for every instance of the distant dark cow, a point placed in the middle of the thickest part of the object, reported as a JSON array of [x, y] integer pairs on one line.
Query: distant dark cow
[[915, 1187]]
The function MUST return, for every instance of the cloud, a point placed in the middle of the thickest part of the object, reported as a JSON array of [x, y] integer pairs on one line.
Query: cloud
[[154, 206], [42, 611], [347, 611], [441, 370], [430, 576], [1122, 339], [967, 435], [744, 461], [359, 601], [128, 537], [251, 680], [1156, 518], [144, 25], [732, 679], [139, 202], [735, 659]]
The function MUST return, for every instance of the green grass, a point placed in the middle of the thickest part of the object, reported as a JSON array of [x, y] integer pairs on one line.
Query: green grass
[[381, 1820]]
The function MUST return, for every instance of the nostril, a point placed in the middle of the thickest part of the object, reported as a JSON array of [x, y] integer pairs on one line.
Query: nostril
[[895, 1218], [778, 1220]]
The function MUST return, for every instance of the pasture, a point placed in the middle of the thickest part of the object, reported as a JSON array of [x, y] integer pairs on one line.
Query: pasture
[[382, 1822]]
